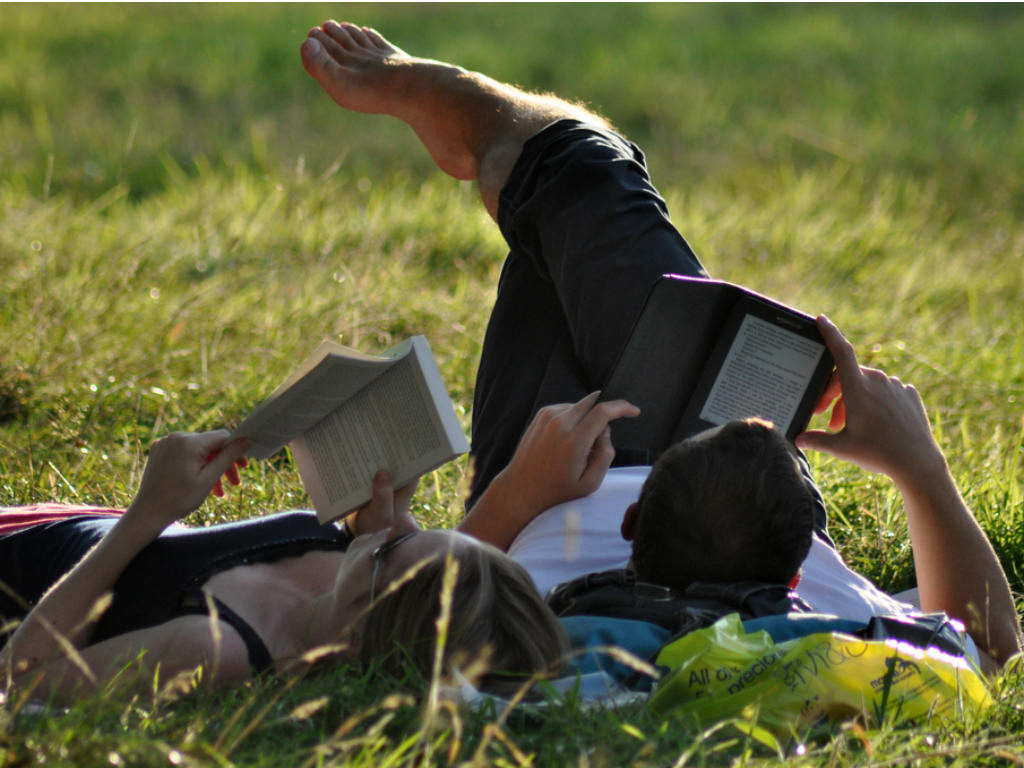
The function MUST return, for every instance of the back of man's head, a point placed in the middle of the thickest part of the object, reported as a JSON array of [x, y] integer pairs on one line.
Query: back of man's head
[[726, 506]]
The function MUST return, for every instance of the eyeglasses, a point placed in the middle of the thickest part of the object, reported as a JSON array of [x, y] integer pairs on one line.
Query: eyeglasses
[[377, 556]]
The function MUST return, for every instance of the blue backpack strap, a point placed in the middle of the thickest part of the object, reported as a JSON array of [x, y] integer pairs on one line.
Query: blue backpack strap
[[587, 634], [790, 626], [917, 628]]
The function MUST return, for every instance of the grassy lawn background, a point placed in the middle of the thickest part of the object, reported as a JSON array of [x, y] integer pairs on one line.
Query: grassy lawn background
[[185, 215]]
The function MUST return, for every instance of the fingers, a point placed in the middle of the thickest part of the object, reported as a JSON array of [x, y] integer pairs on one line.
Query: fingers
[[837, 420], [224, 461], [566, 450], [231, 473], [832, 390], [819, 440], [841, 349], [610, 410], [598, 462], [845, 379], [586, 417], [181, 472], [596, 422], [586, 423], [382, 503], [593, 416], [403, 496], [210, 441], [595, 435], [575, 412], [379, 513]]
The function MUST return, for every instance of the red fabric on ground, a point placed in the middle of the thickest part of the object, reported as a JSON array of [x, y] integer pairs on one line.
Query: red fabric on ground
[[16, 518]]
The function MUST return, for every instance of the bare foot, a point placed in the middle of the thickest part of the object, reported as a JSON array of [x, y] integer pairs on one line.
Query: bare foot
[[363, 72], [355, 65], [473, 127]]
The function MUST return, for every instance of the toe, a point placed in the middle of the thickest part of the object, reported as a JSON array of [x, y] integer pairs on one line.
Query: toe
[[319, 61], [358, 35], [330, 43], [377, 39], [313, 54], [340, 34]]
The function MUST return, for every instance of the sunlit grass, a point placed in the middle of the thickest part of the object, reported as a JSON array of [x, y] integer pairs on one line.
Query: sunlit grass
[[185, 216]]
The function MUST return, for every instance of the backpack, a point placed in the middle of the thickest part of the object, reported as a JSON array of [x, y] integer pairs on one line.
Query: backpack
[[612, 608], [617, 594]]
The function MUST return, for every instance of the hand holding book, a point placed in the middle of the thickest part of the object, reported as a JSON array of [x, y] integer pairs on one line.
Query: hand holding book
[[347, 415]]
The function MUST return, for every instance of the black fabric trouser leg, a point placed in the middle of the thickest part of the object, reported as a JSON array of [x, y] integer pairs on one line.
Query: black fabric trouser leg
[[588, 237]]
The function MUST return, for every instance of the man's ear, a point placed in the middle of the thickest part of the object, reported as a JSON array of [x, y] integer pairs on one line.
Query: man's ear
[[629, 521]]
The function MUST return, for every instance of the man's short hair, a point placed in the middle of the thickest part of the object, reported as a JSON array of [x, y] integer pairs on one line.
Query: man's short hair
[[728, 506]]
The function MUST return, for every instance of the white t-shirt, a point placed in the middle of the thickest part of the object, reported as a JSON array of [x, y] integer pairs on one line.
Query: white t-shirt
[[583, 536]]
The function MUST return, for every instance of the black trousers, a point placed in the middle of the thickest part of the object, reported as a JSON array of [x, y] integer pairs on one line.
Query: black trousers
[[588, 236]]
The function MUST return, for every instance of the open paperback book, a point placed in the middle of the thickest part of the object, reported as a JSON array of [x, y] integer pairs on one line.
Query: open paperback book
[[347, 415], [704, 352]]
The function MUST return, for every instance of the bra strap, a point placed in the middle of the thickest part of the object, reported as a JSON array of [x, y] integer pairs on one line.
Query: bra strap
[[259, 655], [260, 659]]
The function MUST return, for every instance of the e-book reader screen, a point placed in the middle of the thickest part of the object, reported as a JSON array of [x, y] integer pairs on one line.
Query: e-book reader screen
[[765, 374]]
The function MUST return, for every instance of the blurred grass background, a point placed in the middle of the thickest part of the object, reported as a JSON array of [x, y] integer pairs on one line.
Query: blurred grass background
[[185, 215]]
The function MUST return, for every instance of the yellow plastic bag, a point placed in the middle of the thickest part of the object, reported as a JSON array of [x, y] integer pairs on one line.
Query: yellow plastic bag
[[716, 673]]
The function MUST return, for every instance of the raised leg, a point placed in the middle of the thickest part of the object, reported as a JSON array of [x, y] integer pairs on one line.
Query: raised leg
[[588, 233], [473, 126]]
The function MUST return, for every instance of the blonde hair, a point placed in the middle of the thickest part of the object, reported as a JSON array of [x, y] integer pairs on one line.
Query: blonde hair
[[498, 623]]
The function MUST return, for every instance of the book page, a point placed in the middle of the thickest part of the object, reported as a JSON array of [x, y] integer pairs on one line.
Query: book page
[[391, 425], [765, 374], [328, 379], [333, 349]]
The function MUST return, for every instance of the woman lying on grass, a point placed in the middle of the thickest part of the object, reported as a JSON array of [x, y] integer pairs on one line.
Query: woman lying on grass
[[234, 600]]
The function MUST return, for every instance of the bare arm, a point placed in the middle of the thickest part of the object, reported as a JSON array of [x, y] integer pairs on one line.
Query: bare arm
[[883, 427], [563, 455], [135, 659], [181, 471]]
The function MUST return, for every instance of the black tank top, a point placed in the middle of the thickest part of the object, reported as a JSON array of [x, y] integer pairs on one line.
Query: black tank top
[[164, 580], [152, 587]]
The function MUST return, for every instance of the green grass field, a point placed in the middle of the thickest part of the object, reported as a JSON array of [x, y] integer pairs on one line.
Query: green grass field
[[185, 215]]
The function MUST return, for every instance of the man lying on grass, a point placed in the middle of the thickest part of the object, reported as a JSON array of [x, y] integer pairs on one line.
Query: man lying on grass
[[588, 236]]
